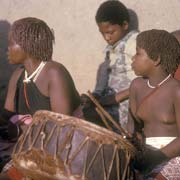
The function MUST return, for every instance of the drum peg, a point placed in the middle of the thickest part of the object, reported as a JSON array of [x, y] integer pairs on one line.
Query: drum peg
[[43, 135], [124, 137], [68, 146]]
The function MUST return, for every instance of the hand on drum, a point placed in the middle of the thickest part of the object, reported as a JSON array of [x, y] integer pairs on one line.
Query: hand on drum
[[21, 119], [89, 110], [16, 125], [145, 161], [108, 100], [86, 101], [137, 140]]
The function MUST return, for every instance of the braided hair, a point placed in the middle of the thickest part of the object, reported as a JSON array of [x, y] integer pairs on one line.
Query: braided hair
[[161, 44], [34, 36]]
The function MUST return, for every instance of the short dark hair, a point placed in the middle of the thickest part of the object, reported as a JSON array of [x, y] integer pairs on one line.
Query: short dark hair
[[34, 36], [112, 11], [160, 43]]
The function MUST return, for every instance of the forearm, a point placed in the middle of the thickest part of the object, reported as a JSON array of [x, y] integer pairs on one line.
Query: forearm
[[172, 149], [122, 95]]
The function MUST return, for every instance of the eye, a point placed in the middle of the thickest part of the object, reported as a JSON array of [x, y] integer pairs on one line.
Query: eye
[[111, 32]]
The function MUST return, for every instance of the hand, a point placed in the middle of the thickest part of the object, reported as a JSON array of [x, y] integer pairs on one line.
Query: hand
[[145, 161], [108, 100], [16, 125], [86, 101], [21, 119], [137, 139]]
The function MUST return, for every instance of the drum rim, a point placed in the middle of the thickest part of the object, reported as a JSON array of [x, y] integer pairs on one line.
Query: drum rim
[[65, 120]]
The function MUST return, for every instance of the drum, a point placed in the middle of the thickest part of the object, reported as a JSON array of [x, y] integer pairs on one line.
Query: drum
[[60, 147]]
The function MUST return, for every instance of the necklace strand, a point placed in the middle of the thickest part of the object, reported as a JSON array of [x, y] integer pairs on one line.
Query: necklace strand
[[164, 80], [35, 73]]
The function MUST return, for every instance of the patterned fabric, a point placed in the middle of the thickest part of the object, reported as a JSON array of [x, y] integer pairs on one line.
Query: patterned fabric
[[170, 169], [115, 73]]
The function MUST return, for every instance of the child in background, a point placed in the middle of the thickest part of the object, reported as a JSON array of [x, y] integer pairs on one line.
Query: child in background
[[115, 73]]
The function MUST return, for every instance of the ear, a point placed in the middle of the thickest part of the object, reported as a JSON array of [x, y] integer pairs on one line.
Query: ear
[[158, 61], [125, 25]]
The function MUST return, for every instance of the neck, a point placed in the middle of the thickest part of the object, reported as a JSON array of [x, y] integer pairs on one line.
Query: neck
[[156, 78], [33, 76], [31, 65], [156, 82]]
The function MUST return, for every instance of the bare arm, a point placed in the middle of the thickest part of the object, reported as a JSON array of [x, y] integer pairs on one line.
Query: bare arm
[[173, 148], [9, 103], [114, 98], [60, 91], [132, 109], [122, 95]]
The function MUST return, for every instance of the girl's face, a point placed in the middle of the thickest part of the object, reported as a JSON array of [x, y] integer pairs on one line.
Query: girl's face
[[142, 64], [112, 32], [16, 55]]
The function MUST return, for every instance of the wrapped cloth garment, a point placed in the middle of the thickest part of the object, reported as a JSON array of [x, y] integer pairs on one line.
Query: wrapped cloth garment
[[170, 169]]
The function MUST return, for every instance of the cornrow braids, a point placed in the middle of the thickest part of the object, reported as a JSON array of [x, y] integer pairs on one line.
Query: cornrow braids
[[34, 36], [161, 44]]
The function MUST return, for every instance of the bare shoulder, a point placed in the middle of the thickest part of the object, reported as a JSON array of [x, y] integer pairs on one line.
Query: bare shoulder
[[175, 87], [138, 83], [55, 66], [56, 70]]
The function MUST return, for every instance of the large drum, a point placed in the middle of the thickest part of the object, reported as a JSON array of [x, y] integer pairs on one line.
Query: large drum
[[59, 147]]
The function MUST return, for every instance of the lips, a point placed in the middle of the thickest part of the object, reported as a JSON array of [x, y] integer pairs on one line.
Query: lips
[[132, 67], [8, 57]]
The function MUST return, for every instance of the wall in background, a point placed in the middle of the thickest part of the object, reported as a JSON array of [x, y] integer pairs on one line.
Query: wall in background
[[79, 44]]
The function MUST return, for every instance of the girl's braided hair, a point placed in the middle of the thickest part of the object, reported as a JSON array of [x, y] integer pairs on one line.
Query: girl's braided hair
[[34, 36], [161, 44]]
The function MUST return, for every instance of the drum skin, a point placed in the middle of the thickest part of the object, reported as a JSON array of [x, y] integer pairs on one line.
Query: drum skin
[[60, 147]]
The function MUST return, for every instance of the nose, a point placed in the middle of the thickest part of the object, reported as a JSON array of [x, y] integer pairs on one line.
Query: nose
[[133, 57], [107, 37]]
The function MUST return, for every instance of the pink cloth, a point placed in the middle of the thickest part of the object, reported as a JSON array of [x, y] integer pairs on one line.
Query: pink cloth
[[21, 119]]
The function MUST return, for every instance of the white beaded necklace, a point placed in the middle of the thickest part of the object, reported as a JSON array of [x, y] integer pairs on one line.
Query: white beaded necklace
[[164, 80], [35, 74]]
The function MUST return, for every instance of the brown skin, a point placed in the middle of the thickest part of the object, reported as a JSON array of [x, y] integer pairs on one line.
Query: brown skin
[[112, 33], [54, 81], [122, 95], [160, 111], [177, 73]]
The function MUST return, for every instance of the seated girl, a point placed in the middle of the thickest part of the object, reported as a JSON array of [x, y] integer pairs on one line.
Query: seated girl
[[155, 105]]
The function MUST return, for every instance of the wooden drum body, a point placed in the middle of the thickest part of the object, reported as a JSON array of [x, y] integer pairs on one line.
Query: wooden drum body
[[59, 147]]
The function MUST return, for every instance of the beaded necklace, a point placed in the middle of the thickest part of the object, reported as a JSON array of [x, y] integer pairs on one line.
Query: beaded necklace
[[35, 74], [163, 81]]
